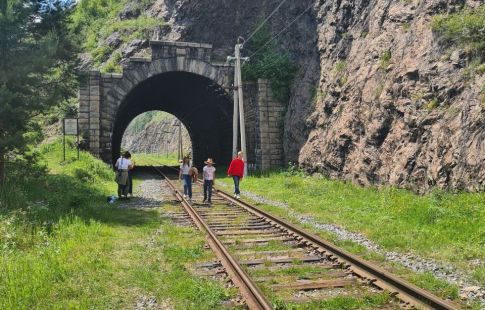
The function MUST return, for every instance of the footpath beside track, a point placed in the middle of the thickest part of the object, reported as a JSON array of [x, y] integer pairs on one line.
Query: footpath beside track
[[250, 241]]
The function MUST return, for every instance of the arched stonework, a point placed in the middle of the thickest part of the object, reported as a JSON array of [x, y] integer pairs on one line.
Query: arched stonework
[[109, 101]]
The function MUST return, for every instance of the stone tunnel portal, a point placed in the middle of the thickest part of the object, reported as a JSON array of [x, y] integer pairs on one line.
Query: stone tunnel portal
[[203, 107], [179, 78]]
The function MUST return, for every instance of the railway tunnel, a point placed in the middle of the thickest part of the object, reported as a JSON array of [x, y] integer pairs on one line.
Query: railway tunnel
[[201, 105], [179, 78]]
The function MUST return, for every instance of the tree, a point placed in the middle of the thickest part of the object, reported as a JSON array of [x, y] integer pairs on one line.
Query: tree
[[269, 61], [37, 62]]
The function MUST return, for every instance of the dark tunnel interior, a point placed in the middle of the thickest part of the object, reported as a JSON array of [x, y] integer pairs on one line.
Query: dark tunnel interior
[[202, 106]]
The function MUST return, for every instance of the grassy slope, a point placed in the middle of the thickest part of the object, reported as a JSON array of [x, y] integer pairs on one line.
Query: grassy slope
[[444, 226], [62, 246], [96, 20]]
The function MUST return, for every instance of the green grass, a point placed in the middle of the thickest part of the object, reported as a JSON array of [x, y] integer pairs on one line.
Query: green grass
[[340, 303], [385, 59], [443, 226], [63, 247], [155, 159], [463, 29], [96, 20], [432, 104]]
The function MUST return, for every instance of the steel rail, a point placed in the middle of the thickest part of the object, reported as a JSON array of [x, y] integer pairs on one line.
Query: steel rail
[[400, 288], [250, 292]]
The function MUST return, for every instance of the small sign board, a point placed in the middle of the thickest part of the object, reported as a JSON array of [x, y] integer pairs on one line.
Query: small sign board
[[70, 127]]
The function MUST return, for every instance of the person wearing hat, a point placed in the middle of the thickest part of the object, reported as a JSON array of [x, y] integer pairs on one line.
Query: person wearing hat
[[209, 174], [236, 171]]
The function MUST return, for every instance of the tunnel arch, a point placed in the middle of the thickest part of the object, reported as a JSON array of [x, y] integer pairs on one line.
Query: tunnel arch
[[202, 106], [180, 78]]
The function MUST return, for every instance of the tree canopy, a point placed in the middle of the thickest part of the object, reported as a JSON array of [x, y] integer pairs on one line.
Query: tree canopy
[[37, 66]]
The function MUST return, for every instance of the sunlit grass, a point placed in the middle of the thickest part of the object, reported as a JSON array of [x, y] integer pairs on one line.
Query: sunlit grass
[[447, 227], [155, 159], [440, 225], [62, 246]]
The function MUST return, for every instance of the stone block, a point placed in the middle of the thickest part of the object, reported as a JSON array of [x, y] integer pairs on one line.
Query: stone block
[[274, 136], [94, 108], [181, 64], [94, 126], [106, 124], [276, 151], [94, 90], [84, 108], [94, 83], [94, 98], [83, 92], [181, 52], [83, 115]]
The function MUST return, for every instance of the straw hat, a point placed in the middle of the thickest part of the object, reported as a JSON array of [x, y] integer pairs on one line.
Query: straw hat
[[209, 161]]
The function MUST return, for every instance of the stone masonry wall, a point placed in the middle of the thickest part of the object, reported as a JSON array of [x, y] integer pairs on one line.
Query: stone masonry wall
[[270, 121], [98, 107]]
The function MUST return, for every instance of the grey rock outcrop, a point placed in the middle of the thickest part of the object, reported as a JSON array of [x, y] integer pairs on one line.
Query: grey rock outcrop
[[157, 138], [377, 99], [406, 114]]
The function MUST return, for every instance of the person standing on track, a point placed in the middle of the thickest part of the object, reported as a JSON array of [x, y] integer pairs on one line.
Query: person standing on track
[[184, 174], [123, 164], [209, 173], [236, 171]]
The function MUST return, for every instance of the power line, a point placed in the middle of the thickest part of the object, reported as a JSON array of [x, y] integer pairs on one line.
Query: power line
[[266, 20], [284, 29]]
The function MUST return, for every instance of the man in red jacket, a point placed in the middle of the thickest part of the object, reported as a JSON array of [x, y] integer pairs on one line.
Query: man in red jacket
[[236, 170]]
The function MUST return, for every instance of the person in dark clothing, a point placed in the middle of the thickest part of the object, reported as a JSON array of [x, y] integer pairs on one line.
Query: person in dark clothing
[[123, 165]]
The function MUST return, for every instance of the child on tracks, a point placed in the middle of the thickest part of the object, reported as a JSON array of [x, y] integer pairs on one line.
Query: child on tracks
[[209, 174], [236, 171], [186, 178]]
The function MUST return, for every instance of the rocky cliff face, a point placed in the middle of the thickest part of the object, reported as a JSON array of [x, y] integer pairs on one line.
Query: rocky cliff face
[[376, 99], [393, 106], [157, 138]]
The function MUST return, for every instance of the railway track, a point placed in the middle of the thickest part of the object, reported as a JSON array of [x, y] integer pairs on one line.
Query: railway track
[[267, 256]]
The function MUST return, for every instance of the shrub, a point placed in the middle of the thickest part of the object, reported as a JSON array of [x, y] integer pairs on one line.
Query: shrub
[[113, 64], [340, 67], [465, 29], [432, 104], [271, 63], [95, 20], [385, 59], [83, 175]]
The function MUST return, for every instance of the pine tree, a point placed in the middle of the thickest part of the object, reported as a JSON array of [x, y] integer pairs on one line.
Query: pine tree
[[37, 62]]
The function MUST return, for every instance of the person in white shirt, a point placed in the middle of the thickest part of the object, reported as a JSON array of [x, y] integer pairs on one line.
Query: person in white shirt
[[209, 173], [185, 176], [123, 164]]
